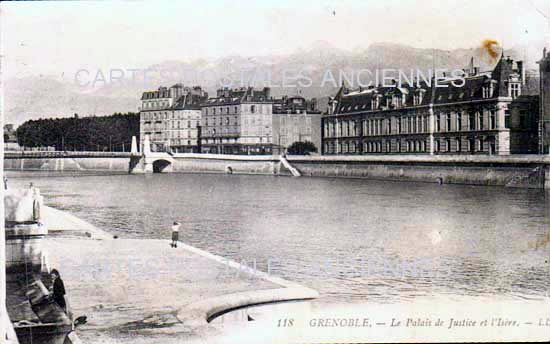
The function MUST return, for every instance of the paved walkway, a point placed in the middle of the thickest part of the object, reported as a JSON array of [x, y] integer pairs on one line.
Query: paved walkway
[[144, 291]]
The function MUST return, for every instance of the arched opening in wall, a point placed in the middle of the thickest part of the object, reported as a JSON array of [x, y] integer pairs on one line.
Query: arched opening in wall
[[160, 166]]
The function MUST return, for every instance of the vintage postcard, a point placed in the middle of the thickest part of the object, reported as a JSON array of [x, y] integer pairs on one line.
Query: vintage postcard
[[319, 171]]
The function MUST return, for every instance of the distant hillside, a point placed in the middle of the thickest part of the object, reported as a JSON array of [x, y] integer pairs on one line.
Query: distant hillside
[[40, 97]]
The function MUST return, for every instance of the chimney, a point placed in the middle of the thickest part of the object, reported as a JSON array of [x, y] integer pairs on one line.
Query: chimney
[[313, 104], [521, 71], [471, 67]]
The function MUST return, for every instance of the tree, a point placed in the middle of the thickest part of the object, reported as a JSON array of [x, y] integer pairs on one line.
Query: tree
[[80, 133], [302, 148]]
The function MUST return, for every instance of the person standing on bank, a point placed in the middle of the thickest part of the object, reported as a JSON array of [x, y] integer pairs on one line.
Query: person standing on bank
[[175, 234], [58, 290]]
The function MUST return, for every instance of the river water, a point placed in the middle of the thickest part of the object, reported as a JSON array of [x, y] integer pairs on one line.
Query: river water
[[352, 240]]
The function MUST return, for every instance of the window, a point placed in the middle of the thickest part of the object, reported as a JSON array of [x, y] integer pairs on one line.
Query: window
[[426, 123], [481, 144], [458, 121], [399, 129], [389, 125], [481, 120], [374, 103], [252, 108], [448, 144], [438, 123], [437, 146], [507, 118], [448, 120], [458, 144], [492, 119], [487, 91], [397, 101], [514, 90], [371, 127], [472, 121], [417, 99]]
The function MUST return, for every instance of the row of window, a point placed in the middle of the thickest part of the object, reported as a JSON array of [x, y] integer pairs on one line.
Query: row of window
[[413, 146], [253, 120], [418, 124], [395, 101], [378, 126], [243, 140], [158, 104], [220, 121], [235, 109], [180, 134], [170, 125], [180, 142], [165, 115], [479, 120]]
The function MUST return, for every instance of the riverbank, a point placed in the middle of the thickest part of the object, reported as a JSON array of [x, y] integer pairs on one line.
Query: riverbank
[[140, 290], [521, 171]]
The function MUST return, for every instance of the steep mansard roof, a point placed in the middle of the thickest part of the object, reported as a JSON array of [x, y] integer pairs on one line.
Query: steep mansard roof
[[188, 101], [456, 90]]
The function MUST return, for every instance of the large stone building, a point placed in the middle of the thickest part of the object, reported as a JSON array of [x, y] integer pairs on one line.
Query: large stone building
[[295, 119], [171, 117], [483, 115], [238, 121]]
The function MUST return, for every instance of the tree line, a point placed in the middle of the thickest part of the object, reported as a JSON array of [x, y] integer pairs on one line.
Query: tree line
[[104, 133]]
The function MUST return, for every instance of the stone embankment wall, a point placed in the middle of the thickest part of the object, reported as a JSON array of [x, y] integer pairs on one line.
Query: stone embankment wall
[[238, 164], [526, 171], [68, 164]]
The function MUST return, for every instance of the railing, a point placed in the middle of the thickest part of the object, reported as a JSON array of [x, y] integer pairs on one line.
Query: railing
[[63, 154]]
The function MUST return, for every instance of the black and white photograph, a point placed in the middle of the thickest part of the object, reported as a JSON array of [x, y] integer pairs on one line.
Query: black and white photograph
[[317, 171]]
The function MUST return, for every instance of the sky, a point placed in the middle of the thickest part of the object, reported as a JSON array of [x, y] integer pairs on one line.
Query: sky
[[58, 38]]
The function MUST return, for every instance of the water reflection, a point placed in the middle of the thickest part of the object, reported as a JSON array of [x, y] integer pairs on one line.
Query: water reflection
[[349, 239]]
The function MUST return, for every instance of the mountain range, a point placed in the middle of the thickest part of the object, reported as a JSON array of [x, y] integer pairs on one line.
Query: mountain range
[[42, 97]]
